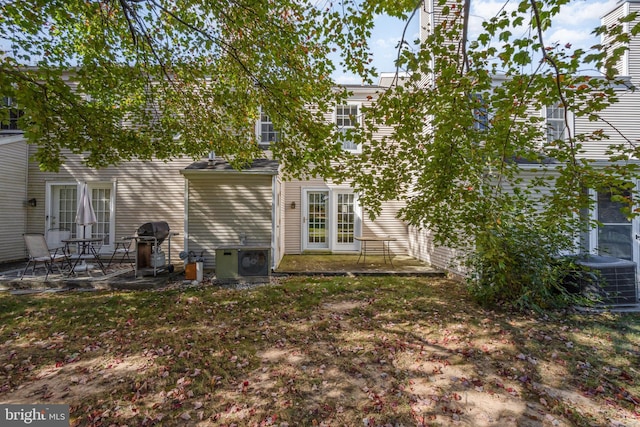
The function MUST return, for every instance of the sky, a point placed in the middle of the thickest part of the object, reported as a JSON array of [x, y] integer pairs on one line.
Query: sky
[[573, 25]]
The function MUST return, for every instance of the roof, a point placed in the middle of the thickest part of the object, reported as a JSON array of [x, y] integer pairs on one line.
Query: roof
[[258, 166], [9, 138]]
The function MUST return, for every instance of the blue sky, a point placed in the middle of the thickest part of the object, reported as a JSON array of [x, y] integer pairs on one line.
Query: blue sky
[[573, 25]]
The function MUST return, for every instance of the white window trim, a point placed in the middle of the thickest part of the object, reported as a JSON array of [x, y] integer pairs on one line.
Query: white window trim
[[259, 131], [568, 127], [112, 215], [358, 148]]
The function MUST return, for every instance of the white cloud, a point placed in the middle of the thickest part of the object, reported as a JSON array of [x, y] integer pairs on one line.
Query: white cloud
[[582, 13], [347, 79], [577, 38], [573, 25]]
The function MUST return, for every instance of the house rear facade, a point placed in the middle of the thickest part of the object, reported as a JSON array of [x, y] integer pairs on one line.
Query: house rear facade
[[210, 205]]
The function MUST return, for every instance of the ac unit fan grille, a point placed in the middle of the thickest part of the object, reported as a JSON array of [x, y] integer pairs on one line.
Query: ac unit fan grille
[[619, 284], [253, 262], [616, 277]]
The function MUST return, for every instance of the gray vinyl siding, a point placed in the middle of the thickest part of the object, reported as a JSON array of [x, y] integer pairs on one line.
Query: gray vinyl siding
[[633, 54], [619, 119], [422, 243], [422, 246], [13, 197], [224, 205], [610, 19], [144, 192]]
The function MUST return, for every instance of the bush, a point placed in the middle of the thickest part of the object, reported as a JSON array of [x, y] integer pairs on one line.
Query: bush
[[515, 263]]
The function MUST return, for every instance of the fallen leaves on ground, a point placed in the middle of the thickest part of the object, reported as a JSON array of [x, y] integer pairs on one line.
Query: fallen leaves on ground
[[316, 351]]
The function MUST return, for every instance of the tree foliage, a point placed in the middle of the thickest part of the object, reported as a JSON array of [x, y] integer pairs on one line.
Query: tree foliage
[[483, 187], [121, 79]]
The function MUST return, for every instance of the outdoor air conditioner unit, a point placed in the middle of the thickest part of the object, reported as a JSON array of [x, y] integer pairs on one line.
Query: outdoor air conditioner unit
[[617, 278], [246, 264]]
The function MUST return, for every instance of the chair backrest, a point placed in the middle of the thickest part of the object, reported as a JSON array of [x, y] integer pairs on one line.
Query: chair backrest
[[55, 236], [36, 245]]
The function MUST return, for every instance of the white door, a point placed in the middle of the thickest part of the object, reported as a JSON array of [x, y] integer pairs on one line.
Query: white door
[[330, 220], [63, 204], [346, 216], [315, 227], [61, 210]]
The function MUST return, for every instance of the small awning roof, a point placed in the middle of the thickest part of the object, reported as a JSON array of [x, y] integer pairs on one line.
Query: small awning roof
[[258, 166]]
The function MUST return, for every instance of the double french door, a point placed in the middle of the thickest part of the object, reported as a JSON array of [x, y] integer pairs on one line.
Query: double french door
[[62, 205], [330, 220]]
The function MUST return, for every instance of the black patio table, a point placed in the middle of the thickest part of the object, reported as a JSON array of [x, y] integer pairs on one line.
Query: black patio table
[[86, 250]]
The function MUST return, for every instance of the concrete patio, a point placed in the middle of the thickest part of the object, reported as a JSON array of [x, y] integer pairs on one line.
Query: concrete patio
[[121, 276]]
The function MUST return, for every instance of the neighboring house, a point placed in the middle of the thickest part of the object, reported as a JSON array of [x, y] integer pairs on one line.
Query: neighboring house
[[615, 235]]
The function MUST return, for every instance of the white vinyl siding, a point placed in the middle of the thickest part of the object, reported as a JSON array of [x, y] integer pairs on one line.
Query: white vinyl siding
[[13, 203], [622, 115], [386, 224], [224, 205], [144, 192], [610, 19]]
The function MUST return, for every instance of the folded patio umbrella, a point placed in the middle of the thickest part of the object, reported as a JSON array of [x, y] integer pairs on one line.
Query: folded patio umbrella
[[85, 215]]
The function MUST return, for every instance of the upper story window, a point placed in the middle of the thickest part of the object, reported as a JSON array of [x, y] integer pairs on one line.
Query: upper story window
[[267, 133], [348, 117], [480, 113], [11, 114], [556, 124]]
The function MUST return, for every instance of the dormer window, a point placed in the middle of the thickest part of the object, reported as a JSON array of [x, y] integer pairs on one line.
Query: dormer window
[[348, 117], [11, 114], [267, 134]]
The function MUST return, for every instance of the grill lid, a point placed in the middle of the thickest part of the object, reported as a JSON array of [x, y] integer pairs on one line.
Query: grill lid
[[157, 229]]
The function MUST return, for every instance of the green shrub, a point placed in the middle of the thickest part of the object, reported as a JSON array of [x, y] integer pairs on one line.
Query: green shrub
[[516, 263]]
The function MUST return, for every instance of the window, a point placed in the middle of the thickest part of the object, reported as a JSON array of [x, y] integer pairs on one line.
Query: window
[[11, 114], [347, 118], [614, 231], [480, 113], [555, 122], [267, 134]]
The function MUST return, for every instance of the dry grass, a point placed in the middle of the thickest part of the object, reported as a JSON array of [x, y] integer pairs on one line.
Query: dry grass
[[316, 351]]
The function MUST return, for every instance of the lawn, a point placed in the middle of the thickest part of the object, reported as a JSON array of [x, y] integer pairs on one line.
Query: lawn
[[396, 351]]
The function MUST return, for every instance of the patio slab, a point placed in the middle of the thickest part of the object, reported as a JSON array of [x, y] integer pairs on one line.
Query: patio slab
[[347, 264], [121, 276]]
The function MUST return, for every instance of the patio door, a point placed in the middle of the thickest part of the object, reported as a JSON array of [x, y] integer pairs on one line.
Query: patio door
[[331, 220], [346, 215], [314, 220], [61, 210], [62, 204]]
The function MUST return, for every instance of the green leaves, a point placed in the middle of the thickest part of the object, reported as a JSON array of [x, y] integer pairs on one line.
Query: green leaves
[[161, 79]]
